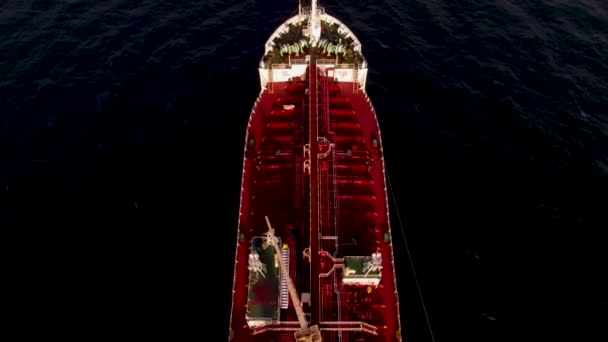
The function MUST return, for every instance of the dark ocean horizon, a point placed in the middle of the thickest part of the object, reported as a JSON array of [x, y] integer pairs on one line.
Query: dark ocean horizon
[[122, 128]]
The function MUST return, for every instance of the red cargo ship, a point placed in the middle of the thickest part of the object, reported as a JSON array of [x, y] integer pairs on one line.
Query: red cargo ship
[[314, 258]]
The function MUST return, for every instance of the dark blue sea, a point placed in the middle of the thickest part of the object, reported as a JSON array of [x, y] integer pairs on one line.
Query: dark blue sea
[[121, 137]]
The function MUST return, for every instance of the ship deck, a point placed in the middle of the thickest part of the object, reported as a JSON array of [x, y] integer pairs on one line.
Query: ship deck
[[337, 207]]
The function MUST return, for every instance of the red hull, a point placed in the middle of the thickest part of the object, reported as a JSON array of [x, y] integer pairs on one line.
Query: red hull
[[335, 208]]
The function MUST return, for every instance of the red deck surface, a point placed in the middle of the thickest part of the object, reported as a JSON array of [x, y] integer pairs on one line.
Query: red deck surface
[[342, 197]]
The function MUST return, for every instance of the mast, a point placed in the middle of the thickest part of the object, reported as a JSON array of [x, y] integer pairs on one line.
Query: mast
[[315, 24]]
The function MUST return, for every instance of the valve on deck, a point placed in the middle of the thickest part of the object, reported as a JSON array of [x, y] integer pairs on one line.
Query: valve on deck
[[306, 253]]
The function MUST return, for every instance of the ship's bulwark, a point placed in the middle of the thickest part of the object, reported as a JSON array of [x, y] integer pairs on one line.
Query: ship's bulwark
[[330, 214]]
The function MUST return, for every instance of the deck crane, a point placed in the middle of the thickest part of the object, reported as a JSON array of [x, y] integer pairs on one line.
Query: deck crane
[[306, 333]]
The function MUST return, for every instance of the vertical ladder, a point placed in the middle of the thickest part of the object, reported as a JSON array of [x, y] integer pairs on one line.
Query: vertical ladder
[[284, 291]]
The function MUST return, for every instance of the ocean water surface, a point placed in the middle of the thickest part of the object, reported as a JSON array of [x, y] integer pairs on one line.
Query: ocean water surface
[[121, 139]]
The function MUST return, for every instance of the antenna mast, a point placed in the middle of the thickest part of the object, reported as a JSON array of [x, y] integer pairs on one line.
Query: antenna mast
[[315, 24]]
